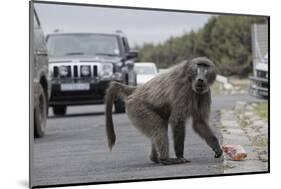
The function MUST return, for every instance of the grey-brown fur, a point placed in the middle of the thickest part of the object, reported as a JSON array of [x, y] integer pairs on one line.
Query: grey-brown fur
[[169, 98]]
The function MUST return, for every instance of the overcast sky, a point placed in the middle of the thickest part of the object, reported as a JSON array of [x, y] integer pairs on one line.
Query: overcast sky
[[139, 25]]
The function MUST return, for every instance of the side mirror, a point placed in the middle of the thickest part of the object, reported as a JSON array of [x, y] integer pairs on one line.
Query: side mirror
[[132, 54], [130, 64]]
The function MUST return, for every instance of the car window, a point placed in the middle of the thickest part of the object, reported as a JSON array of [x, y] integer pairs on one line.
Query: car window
[[126, 45]]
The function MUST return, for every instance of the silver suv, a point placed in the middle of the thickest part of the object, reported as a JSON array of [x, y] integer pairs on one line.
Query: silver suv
[[83, 64], [259, 86]]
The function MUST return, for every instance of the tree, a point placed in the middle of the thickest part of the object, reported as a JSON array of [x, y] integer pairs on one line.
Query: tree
[[224, 39]]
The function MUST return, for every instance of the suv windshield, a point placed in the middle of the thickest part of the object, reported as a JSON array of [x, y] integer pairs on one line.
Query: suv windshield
[[82, 44]]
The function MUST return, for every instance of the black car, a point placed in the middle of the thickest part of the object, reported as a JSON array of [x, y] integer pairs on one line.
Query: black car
[[82, 66], [40, 77]]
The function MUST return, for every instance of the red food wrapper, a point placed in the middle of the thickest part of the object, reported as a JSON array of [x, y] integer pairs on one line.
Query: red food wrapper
[[235, 152]]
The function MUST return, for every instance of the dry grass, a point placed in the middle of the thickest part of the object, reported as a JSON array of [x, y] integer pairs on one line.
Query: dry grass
[[261, 109]]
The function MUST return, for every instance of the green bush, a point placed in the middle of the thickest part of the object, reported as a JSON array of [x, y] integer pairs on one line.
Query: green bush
[[224, 39]]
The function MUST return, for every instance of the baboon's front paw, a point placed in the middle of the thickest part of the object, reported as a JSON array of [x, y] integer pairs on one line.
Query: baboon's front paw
[[218, 152]]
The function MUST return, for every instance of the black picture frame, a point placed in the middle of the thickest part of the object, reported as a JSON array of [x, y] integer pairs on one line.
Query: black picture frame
[[31, 88]]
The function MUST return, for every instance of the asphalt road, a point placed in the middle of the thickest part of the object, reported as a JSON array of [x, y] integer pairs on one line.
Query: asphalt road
[[74, 149]]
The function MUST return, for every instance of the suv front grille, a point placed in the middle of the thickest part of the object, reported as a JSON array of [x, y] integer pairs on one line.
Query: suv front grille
[[56, 71], [75, 71], [261, 74], [95, 70]]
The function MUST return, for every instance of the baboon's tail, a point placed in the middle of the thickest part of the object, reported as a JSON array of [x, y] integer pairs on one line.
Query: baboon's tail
[[114, 91]]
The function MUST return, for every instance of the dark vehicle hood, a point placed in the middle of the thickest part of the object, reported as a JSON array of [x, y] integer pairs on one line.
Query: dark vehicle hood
[[99, 59]]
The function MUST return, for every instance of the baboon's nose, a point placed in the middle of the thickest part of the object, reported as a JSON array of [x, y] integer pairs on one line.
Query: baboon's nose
[[200, 81]]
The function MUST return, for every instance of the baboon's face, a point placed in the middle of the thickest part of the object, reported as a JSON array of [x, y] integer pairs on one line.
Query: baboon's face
[[203, 77]]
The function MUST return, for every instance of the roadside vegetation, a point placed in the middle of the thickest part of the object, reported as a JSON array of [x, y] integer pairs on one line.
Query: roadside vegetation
[[225, 39], [261, 109]]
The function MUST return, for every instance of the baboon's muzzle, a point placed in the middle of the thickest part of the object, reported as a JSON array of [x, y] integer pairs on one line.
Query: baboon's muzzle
[[200, 86]]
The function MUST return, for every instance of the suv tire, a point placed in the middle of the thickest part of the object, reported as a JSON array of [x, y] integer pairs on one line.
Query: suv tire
[[40, 114], [59, 110], [119, 106]]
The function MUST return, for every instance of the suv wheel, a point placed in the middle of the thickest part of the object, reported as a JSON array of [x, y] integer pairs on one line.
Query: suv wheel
[[119, 106], [40, 114], [59, 110]]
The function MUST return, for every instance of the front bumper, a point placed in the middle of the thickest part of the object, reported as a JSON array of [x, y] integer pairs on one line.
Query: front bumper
[[259, 86], [95, 94]]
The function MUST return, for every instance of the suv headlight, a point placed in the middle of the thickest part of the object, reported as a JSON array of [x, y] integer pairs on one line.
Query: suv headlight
[[85, 71], [106, 70], [63, 71]]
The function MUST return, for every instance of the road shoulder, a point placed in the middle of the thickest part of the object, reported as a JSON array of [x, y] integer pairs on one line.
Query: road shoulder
[[242, 126]]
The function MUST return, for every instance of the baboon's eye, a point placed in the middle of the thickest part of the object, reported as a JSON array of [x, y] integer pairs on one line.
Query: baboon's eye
[[198, 70], [202, 70], [205, 71]]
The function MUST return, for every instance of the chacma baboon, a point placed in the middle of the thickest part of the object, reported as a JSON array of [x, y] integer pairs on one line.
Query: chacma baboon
[[171, 97]]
